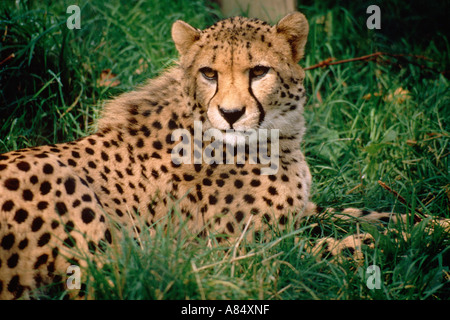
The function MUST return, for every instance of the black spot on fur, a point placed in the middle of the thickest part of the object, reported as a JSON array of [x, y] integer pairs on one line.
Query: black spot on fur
[[12, 261], [212, 200], [70, 185], [239, 216], [61, 208], [45, 188], [23, 166], [249, 198], [7, 205], [42, 259], [157, 125], [47, 169], [87, 215], [44, 239], [8, 241], [37, 224], [42, 205], [12, 184], [21, 215], [272, 190], [230, 227]]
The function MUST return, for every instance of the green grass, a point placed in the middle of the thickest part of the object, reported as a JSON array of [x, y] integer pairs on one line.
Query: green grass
[[49, 92]]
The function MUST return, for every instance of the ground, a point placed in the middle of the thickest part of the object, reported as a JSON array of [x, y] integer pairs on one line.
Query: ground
[[387, 151]]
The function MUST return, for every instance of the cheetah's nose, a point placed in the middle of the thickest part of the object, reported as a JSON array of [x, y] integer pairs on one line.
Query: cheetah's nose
[[231, 116]]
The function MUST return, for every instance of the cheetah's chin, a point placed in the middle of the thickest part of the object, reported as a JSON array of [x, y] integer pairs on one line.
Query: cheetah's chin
[[235, 137]]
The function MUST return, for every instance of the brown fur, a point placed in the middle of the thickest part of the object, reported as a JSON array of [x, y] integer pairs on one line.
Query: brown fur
[[57, 197]]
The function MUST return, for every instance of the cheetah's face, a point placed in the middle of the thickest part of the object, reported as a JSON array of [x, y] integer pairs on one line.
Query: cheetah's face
[[234, 93], [242, 73]]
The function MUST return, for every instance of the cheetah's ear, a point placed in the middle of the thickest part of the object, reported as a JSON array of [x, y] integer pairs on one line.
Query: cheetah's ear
[[184, 36], [294, 28]]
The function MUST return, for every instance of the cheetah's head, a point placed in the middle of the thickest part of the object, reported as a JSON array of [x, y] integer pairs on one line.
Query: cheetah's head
[[243, 74]]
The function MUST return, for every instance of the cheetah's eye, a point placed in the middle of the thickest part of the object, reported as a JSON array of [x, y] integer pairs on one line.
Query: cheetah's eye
[[208, 73], [259, 71]]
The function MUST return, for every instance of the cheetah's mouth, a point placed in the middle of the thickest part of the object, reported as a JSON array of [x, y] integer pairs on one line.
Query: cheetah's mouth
[[234, 137]]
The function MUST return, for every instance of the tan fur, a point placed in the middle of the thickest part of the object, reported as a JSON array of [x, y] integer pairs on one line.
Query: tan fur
[[61, 196]]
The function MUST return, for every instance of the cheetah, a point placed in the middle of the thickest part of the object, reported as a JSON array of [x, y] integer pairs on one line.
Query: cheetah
[[239, 74]]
